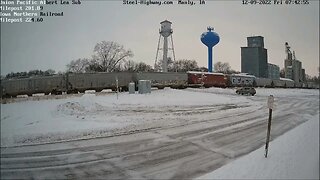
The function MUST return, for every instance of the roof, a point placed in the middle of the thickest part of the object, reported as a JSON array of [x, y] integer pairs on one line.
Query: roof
[[166, 21], [199, 72], [255, 36], [243, 75], [286, 79], [269, 64]]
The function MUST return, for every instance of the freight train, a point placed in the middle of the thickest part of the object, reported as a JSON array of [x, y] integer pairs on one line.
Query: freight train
[[80, 82]]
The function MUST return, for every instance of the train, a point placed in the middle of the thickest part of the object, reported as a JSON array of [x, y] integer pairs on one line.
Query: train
[[80, 82]]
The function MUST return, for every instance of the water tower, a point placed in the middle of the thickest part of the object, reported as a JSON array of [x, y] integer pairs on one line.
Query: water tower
[[165, 33], [210, 39]]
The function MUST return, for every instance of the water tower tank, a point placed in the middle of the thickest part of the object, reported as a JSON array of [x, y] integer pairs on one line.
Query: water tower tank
[[166, 30], [210, 39]]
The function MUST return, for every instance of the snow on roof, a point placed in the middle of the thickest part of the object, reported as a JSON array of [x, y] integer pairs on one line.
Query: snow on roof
[[243, 75], [286, 79], [199, 72]]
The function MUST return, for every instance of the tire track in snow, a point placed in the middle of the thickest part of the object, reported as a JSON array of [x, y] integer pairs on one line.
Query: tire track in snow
[[184, 151]]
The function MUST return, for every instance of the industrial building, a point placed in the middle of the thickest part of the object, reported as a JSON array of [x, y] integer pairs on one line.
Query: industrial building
[[293, 67], [254, 57], [273, 71]]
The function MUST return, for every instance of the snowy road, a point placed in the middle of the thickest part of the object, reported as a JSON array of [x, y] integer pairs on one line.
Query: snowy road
[[200, 140]]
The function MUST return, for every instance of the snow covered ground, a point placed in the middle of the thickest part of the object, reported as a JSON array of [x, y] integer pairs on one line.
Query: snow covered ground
[[166, 134], [295, 155], [91, 115], [104, 115]]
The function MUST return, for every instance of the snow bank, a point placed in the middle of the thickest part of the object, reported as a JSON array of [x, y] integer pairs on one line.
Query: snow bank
[[295, 155], [87, 101], [85, 104], [168, 97]]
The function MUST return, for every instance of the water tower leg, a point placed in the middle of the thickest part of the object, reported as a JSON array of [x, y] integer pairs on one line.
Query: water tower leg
[[155, 62], [212, 62], [210, 59], [165, 55], [174, 56]]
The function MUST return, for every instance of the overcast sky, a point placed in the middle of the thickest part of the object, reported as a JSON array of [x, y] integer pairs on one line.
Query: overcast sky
[[55, 42]]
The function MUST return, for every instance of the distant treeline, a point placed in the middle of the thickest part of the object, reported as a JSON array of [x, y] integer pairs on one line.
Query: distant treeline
[[77, 66], [31, 73]]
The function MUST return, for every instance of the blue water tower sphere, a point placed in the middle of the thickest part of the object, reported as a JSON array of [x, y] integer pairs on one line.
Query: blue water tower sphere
[[210, 39]]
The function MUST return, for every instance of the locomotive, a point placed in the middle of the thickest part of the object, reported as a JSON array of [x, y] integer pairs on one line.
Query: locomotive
[[80, 82]]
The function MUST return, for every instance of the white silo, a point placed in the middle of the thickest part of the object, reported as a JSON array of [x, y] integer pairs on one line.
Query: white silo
[[165, 31]]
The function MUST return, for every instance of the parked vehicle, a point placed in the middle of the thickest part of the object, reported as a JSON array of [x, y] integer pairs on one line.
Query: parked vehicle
[[246, 91]]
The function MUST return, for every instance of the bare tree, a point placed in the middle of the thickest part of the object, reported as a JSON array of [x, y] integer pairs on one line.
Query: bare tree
[[143, 67], [132, 66], [184, 65], [109, 54], [129, 66], [158, 65], [78, 66], [25, 74], [202, 69], [49, 72], [222, 67]]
